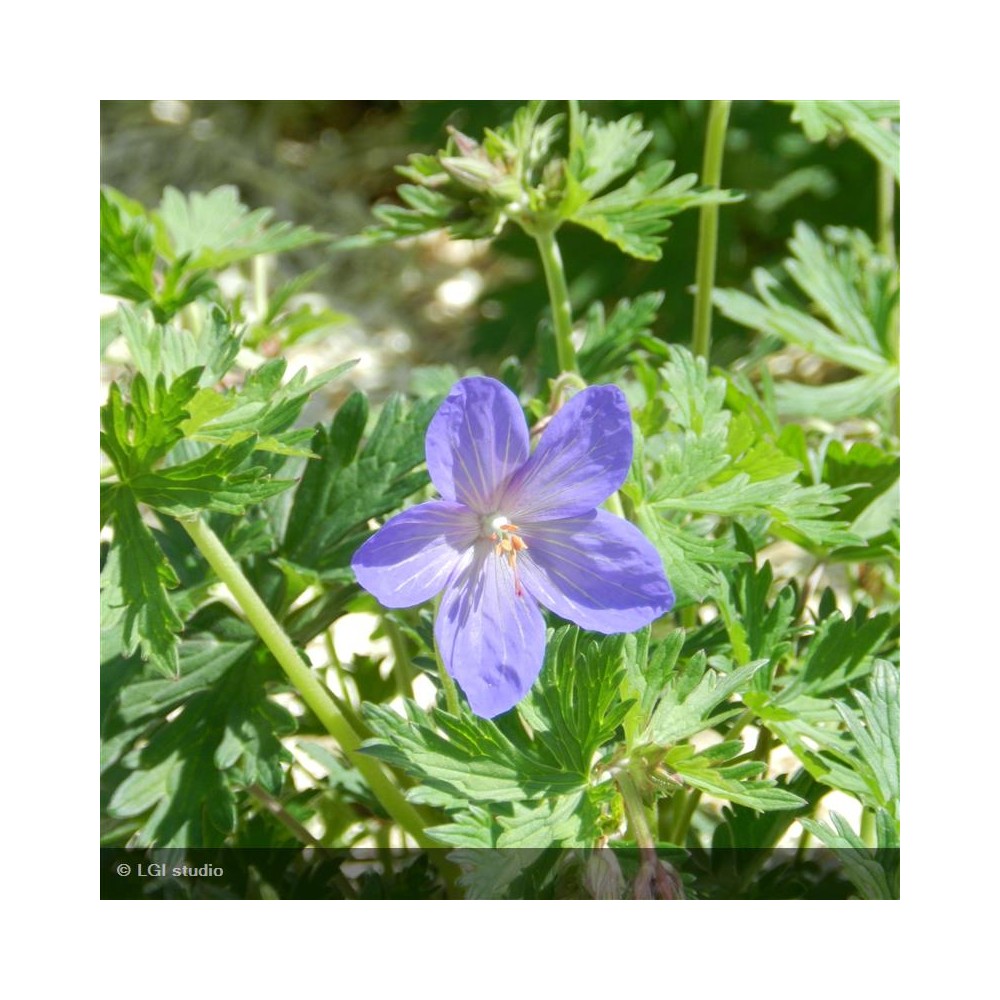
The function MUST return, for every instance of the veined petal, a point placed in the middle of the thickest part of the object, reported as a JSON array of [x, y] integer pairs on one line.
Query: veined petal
[[597, 571], [491, 640], [582, 458], [477, 438], [410, 558]]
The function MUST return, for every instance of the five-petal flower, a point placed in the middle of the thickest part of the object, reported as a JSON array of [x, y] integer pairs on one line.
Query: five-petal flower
[[514, 529]]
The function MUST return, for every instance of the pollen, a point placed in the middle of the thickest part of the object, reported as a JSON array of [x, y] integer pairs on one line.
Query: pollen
[[507, 542]]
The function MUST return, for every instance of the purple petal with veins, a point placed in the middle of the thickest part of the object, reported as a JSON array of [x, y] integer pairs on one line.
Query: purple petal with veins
[[596, 570], [408, 561], [583, 457], [491, 638], [476, 440]]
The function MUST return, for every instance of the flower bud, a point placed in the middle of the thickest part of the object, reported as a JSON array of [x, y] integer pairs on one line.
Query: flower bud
[[603, 877]]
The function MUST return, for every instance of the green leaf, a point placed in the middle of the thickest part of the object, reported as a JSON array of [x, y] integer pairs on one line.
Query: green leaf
[[488, 873], [838, 401], [215, 230], [215, 640], [876, 735], [575, 707], [137, 434], [703, 771], [214, 481], [688, 703], [600, 152], [128, 256], [263, 406], [635, 217], [875, 874], [840, 652], [343, 489], [607, 344], [857, 119], [567, 821], [470, 758], [134, 584], [865, 464], [690, 559], [223, 732], [170, 351], [790, 324], [851, 320], [706, 462]]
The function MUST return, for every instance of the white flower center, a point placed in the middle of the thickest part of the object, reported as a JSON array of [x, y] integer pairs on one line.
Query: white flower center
[[507, 542], [493, 524]]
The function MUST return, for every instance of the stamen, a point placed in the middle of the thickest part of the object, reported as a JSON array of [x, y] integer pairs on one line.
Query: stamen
[[507, 542]]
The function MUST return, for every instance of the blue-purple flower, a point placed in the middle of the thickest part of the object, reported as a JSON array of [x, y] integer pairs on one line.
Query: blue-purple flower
[[514, 530]]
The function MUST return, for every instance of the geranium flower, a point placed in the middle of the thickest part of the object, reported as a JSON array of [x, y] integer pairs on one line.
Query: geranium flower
[[514, 530]]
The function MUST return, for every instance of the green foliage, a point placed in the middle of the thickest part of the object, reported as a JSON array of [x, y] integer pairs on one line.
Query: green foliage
[[214, 230], [170, 350], [348, 486], [529, 772], [180, 780], [688, 703], [707, 464], [164, 258], [874, 873], [852, 321], [473, 189], [609, 342], [709, 772], [134, 583], [860, 120]]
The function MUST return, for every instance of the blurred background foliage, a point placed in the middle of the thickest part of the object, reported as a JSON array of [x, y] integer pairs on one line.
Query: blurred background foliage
[[431, 300]]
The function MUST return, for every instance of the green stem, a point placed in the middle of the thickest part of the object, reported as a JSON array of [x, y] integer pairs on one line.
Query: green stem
[[313, 693], [562, 313], [635, 810], [401, 666], [708, 229], [867, 831], [278, 811], [447, 684], [887, 246], [259, 269], [886, 208], [680, 829]]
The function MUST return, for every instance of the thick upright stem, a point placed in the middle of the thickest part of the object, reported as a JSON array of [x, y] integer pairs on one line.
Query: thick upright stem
[[562, 313], [312, 691], [708, 228]]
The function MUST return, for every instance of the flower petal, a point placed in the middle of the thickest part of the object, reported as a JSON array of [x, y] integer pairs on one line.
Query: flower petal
[[597, 570], [409, 559], [477, 438], [582, 458], [491, 640]]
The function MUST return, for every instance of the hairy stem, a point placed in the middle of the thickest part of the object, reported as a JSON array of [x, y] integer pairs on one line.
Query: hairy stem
[[562, 313], [708, 229], [313, 693], [635, 810]]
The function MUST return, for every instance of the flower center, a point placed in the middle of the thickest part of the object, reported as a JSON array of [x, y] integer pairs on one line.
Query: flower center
[[507, 543]]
